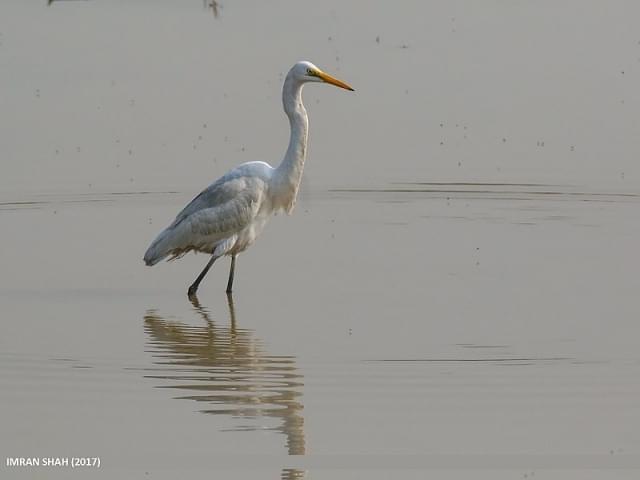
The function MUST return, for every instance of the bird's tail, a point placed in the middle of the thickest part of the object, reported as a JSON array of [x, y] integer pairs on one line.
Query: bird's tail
[[159, 249]]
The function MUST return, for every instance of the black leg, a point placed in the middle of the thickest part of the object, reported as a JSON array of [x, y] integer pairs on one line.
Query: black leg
[[231, 272], [232, 313], [194, 286]]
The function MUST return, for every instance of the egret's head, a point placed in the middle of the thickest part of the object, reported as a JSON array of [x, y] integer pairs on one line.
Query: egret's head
[[307, 72]]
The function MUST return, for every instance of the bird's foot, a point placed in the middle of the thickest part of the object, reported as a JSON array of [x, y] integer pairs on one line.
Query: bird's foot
[[191, 293]]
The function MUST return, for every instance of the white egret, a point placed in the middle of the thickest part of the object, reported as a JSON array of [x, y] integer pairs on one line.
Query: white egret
[[227, 217]]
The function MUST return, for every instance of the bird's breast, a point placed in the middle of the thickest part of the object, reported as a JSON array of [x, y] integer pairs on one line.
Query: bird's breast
[[250, 233]]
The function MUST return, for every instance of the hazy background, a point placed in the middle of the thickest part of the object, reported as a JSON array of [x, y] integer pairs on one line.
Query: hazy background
[[446, 91]]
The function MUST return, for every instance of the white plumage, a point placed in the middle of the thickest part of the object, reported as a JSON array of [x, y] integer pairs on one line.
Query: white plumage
[[227, 217], [225, 212]]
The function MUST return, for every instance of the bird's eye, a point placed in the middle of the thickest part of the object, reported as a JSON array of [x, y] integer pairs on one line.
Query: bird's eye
[[309, 72]]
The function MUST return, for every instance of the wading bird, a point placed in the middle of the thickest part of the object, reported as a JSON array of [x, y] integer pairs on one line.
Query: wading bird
[[227, 217]]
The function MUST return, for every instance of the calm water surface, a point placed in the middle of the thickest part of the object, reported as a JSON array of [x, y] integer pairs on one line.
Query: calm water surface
[[455, 295]]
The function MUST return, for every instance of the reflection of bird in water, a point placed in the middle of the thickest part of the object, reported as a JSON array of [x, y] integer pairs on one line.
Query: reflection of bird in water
[[228, 369], [228, 215], [293, 474]]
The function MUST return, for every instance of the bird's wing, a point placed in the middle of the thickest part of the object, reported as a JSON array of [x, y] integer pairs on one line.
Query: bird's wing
[[225, 207], [232, 214], [218, 213], [240, 184]]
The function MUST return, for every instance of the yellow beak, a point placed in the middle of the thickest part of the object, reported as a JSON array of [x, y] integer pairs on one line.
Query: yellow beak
[[333, 81]]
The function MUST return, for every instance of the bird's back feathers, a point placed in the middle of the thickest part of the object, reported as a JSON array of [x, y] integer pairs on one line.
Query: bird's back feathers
[[219, 212]]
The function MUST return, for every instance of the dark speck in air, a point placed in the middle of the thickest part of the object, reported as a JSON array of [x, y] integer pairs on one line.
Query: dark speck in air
[[378, 39]]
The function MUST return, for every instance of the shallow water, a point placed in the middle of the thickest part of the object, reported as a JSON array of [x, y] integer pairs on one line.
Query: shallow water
[[450, 301]]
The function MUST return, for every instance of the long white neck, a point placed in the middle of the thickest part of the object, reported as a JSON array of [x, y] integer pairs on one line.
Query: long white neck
[[286, 178]]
